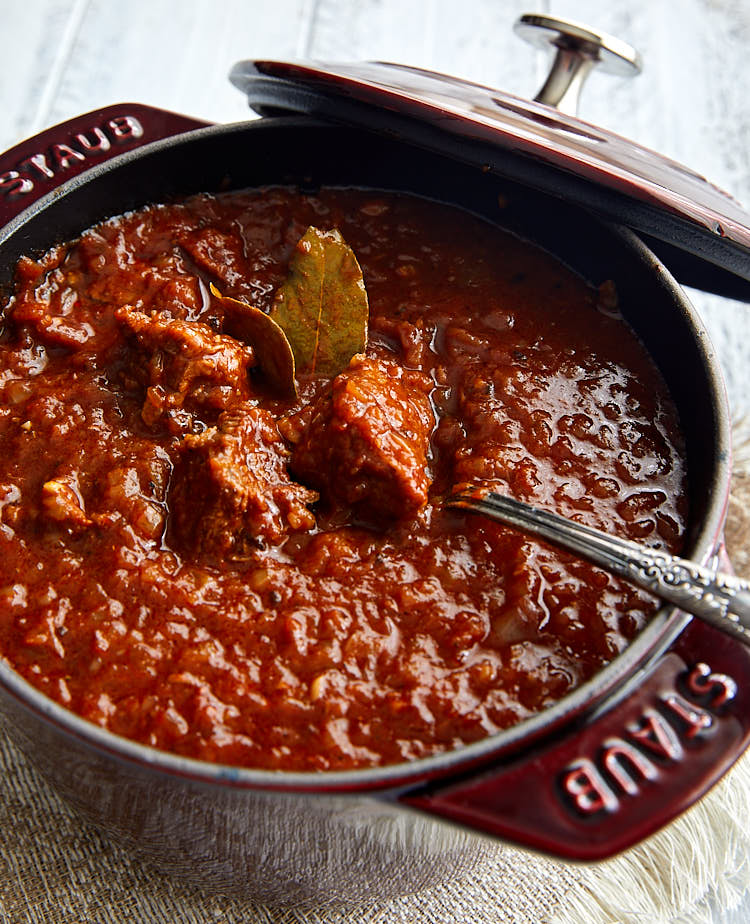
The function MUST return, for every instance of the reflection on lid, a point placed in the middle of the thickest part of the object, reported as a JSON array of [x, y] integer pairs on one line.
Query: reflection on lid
[[625, 181]]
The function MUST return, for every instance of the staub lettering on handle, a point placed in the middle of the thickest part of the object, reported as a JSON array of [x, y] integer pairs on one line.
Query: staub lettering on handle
[[663, 733], [42, 166]]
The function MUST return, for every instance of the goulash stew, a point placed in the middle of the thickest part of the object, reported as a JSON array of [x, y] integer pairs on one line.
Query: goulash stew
[[228, 429]]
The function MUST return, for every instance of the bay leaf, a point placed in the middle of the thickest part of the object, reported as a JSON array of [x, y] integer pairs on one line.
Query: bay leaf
[[322, 304], [272, 348]]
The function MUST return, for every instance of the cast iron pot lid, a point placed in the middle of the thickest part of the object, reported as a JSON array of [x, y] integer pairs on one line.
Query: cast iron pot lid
[[699, 231]]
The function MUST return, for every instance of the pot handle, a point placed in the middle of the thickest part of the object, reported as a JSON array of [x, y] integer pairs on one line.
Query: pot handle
[[40, 164], [622, 773]]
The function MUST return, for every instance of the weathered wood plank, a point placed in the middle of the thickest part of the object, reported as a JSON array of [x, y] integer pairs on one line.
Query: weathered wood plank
[[390, 30], [175, 55], [474, 40], [63, 57], [37, 35]]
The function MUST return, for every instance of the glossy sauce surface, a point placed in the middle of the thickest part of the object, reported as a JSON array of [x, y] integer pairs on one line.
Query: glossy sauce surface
[[196, 563]]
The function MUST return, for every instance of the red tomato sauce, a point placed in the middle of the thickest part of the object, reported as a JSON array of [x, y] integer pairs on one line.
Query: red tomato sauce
[[196, 563]]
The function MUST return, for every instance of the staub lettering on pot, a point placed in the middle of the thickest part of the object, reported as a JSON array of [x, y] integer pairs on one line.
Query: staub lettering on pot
[[43, 166], [662, 734]]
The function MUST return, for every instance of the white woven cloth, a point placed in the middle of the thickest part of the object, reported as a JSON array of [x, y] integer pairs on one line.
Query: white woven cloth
[[55, 870]]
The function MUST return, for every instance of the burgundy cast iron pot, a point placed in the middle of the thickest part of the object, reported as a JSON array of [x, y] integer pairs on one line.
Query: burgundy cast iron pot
[[588, 777]]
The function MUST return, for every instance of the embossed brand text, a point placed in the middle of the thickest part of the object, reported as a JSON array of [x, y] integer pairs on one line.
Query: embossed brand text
[[658, 736], [42, 166]]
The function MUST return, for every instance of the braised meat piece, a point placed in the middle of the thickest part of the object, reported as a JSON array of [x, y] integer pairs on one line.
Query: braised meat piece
[[218, 252], [186, 367], [364, 443], [50, 307], [230, 491], [62, 502]]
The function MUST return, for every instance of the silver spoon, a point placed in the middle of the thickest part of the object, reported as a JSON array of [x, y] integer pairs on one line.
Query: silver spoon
[[716, 597]]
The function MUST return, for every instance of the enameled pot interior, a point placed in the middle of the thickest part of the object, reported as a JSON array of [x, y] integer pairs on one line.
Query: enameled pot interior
[[308, 154]]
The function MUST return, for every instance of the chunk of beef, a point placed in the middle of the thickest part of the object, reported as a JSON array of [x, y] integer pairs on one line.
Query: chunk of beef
[[218, 252], [407, 338], [62, 502], [185, 367], [50, 306], [230, 490], [114, 270], [364, 443]]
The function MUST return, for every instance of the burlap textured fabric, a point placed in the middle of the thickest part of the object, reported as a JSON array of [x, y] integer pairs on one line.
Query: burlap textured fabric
[[56, 870]]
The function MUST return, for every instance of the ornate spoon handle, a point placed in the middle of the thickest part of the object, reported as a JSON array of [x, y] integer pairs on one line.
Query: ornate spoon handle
[[716, 597]]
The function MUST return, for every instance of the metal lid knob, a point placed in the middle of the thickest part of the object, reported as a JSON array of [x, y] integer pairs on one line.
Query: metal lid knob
[[578, 50]]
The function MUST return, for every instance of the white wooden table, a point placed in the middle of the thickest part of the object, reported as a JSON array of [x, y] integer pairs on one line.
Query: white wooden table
[[692, 101]]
